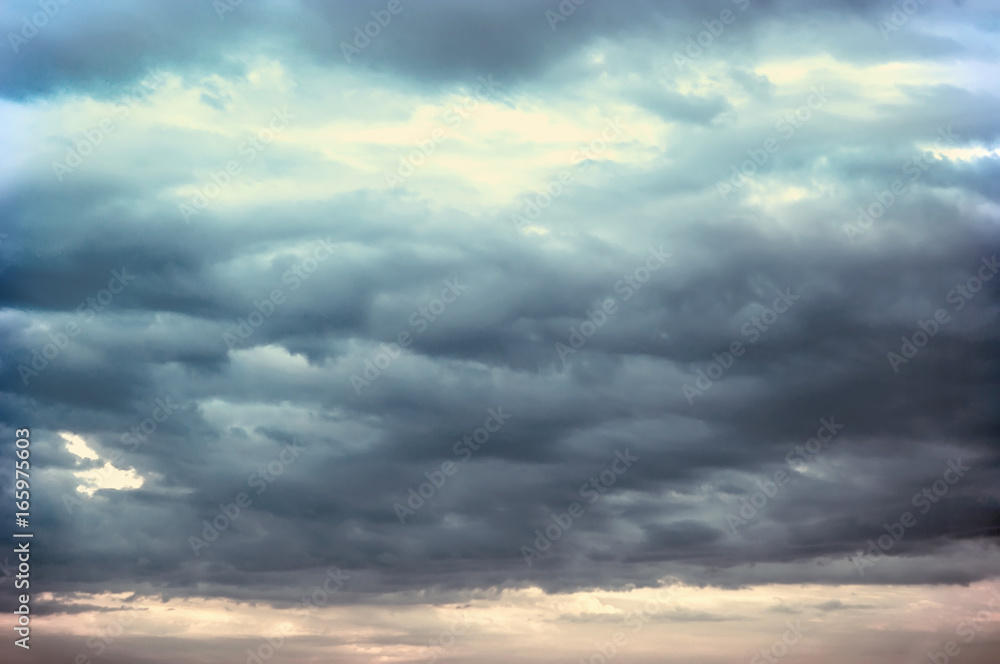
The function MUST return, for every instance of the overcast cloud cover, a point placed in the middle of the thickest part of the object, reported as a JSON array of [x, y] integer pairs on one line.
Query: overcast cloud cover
[[517, 311]]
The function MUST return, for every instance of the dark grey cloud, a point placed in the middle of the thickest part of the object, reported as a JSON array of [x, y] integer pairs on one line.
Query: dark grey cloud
[[448, 40], [495, 346]]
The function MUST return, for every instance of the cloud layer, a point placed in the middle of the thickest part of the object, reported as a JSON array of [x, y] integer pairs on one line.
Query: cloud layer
[[720, 276]]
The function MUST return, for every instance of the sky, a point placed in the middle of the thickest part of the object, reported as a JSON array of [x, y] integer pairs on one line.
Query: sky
[[460, 331]]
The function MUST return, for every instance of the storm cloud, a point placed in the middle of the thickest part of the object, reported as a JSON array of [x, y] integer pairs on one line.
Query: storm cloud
[[400, 300]]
